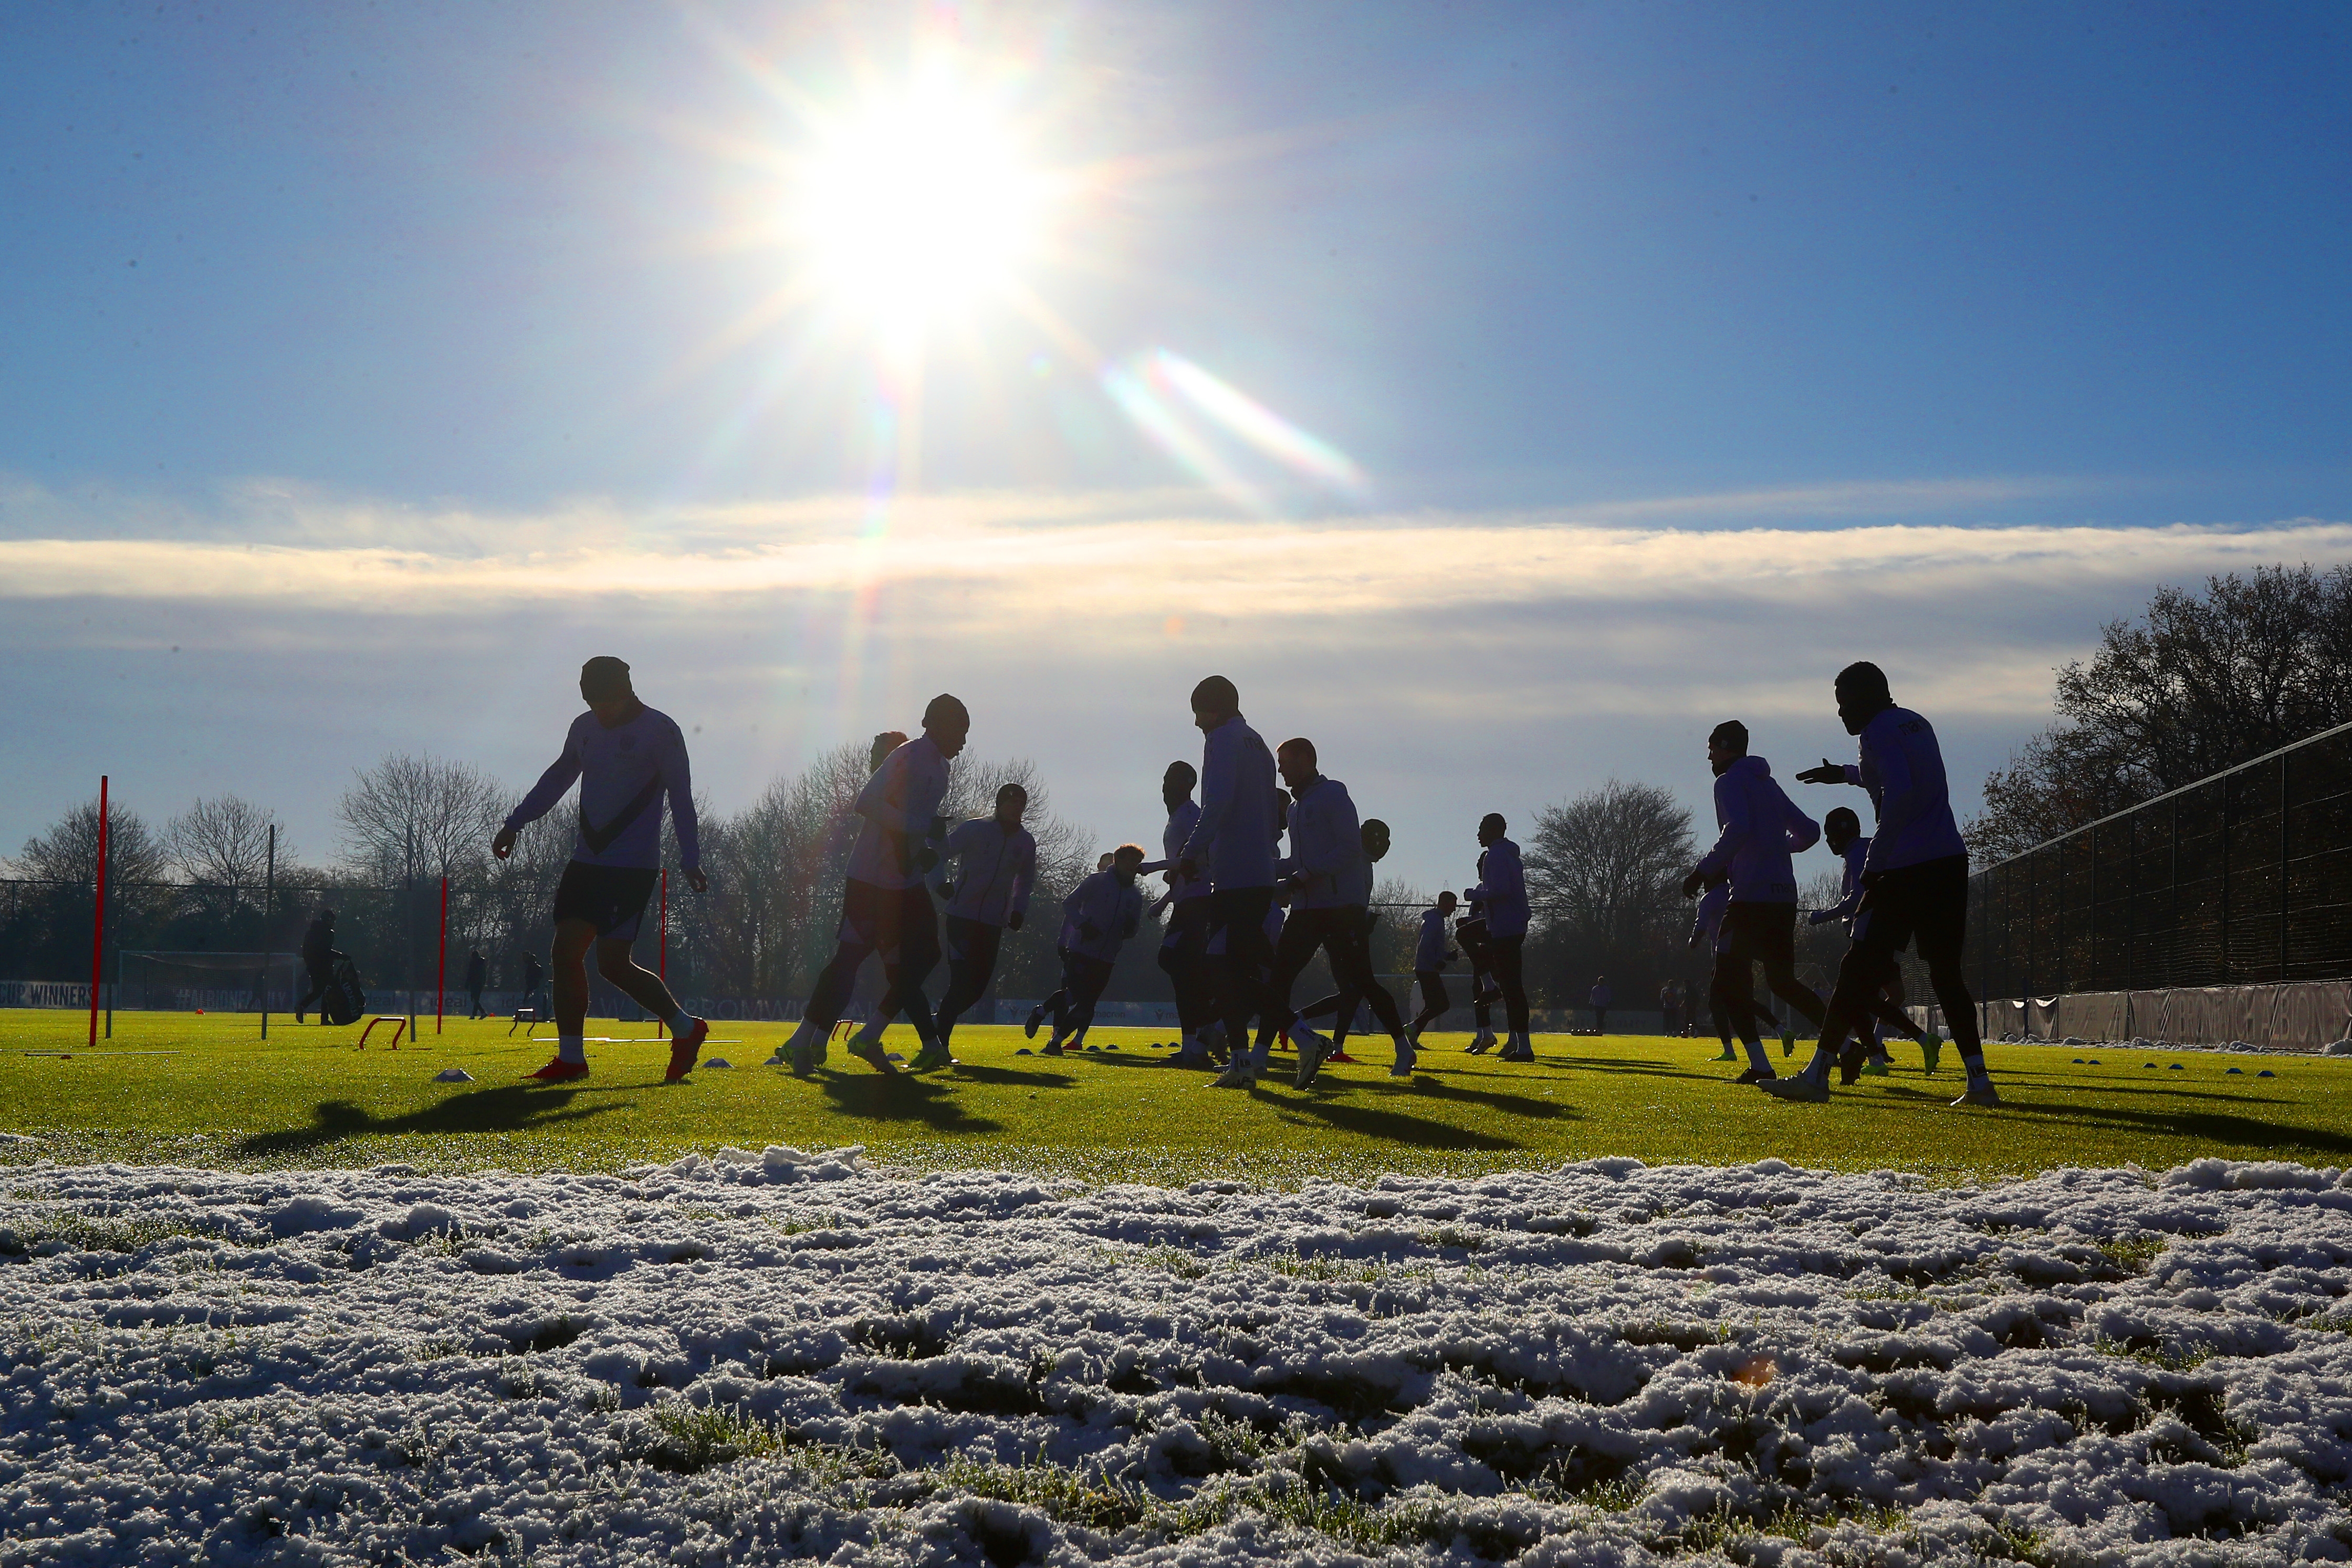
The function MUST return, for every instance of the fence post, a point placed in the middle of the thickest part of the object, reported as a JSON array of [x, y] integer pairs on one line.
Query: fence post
[[2223, 978], [268, 901], [97, 926], [2283, 865], [2172, 909], [441, 961], [2131, 901], [2094, 981], [2033, 933]]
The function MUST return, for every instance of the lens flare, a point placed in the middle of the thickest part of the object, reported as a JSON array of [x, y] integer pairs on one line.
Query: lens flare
[[1158, 388], [1253, 422]]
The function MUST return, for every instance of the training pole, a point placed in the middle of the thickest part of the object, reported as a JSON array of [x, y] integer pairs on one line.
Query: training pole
[[98, 923], [268, 903], [441, 961], [661, 950]]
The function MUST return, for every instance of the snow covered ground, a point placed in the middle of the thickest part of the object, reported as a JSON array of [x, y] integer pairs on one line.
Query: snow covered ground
[[774, 1356]]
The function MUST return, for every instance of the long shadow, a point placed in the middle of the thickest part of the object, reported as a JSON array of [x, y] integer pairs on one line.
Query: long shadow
[[508, 1108], [2209, 1126], [1391, 1125], [1424, 1086], [1009, 1078], [1634, 1066], [902, 1097]]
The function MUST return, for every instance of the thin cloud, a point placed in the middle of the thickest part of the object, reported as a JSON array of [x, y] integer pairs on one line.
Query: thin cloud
[[1458, 661], [1083, 559]]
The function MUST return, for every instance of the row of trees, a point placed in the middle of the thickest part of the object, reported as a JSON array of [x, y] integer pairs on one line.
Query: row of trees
[[2201, 681], [1602, 869], [196, 884]]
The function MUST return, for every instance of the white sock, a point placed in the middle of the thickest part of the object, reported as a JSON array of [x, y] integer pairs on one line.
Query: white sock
[[572, 1048]]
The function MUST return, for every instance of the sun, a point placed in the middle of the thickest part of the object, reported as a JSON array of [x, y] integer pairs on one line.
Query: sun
[[920, 206]]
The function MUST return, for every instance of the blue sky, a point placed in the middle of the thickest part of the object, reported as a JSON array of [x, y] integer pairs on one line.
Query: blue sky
[[1684, 352]]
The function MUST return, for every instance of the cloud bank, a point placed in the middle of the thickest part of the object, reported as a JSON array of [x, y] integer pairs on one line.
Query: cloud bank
[[1447, 662]]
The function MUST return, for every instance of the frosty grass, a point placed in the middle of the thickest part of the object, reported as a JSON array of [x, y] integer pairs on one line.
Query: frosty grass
[[778, 1355]]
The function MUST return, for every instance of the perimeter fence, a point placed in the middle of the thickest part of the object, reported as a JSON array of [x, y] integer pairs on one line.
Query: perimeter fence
[[2242, 879], [739, 953]]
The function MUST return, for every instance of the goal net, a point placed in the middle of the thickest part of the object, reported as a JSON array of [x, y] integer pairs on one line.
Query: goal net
[[209, 982]]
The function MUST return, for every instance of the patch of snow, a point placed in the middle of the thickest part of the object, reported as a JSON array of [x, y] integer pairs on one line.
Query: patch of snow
[[760, 1354]]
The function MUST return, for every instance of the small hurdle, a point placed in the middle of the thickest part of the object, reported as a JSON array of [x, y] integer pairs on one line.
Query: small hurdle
[[398, 1021]]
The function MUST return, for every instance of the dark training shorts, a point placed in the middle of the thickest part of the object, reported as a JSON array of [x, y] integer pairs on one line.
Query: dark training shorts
[[610, 898], [1927, 903]]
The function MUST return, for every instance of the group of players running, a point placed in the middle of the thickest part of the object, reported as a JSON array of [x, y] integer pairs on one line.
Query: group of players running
[[1232, 952]]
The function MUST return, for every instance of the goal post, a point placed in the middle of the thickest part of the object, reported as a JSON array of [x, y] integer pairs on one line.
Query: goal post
[[150, 980]]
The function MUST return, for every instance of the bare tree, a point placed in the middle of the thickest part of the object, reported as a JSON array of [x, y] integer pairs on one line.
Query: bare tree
[[2199, 683], [67, 852], [224, 841], [420, 817], [1607, 863], [2065, 776], [1396, 932]]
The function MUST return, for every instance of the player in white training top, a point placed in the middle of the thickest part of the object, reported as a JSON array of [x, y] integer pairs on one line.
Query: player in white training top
[[885, 907], [993, 861], [627, 758]]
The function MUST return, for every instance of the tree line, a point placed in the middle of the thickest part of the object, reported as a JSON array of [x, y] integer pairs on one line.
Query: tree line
[[2201, 680], [1602, 868]]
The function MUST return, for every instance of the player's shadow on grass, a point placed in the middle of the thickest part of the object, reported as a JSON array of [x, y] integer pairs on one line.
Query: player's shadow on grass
[[902, 1097], [1011, 1078], [2253, 1135], [1634, 1066], [1428, 1086], [509, 1108], [1377, 1122]]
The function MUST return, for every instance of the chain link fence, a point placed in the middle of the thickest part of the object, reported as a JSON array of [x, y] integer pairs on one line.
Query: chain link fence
[[2242, 879]]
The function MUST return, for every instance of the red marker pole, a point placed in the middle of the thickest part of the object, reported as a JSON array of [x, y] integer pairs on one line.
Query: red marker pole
[[98, 924], [661, 953], [441, 961]]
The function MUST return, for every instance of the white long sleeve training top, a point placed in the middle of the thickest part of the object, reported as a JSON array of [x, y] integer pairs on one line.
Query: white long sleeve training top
[[1326, 865], [1761, 828], [900, 807], [1503, 890], [1112, 909], [623, 773], [994, 870], [1901, 766], [1234, 839], [1432, 952]]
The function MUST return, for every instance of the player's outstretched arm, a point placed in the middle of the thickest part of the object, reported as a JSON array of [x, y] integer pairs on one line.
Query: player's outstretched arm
[[1828, 773], [560, 776]]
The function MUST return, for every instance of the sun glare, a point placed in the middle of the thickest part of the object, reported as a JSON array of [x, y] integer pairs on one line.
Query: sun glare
[[918, 207]]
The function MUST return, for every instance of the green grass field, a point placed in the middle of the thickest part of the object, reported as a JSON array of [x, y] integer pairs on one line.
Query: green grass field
[[306, 1098]]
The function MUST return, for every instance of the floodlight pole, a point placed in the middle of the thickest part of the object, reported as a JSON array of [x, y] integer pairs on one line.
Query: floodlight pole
[[98, 927], [268, 900], [441, 961]]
